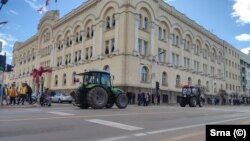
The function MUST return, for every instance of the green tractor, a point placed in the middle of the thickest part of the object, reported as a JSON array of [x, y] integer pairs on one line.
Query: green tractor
[[97, 92]]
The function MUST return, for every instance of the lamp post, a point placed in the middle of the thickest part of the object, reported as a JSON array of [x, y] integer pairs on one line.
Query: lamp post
[[3, 2]]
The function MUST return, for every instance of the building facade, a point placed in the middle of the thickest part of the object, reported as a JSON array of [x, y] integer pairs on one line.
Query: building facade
[[140, 42], [245, 74]]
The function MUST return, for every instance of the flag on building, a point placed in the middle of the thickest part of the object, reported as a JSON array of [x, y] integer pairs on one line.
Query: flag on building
[[40, 10]]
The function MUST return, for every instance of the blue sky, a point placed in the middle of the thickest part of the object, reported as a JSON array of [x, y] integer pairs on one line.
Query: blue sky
[[227, 19]]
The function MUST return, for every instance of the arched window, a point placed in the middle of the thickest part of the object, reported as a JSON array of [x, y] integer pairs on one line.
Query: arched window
[[74, 78], [164, 79], [64, 79], [189, 81], [56, 80], [88, 30], [145, 23], [108, 22], [177, 41], [113, 20], [107, 68], [144, 74], [140, 21], [207, 86], [164, 34], [92, 31], [160, 33], [199, 82], [178, 81]]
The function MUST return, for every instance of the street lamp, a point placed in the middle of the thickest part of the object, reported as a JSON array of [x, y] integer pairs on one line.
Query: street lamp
[[3, 2]]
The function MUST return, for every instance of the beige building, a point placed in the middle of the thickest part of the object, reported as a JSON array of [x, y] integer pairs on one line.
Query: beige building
[[140, 42]]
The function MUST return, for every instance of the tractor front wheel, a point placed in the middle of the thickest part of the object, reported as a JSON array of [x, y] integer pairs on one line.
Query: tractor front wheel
[[97, 97], [121, 101]]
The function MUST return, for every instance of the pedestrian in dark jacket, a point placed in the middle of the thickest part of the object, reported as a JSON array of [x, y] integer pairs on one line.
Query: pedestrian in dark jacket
[[29, 93]]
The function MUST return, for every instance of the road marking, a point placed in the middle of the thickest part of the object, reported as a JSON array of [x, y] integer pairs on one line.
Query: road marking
[[178, 128], [115, 138], [140, 134], [61, 113], [192, 126], [184, 137], [115, 124]]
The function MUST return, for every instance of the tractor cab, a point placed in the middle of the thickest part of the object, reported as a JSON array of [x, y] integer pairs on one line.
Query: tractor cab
[[191, 95]]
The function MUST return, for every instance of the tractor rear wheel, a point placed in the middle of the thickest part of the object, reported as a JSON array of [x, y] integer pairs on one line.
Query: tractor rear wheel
[[193, 102], [97, 97], [121, 101]]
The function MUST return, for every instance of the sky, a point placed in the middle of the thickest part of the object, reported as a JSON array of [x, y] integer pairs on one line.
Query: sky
[[227, 19]]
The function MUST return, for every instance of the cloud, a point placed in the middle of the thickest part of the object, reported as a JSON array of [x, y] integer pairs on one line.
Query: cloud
[[245, 50], [33, 4], [241, 10], [243, 37], [7, 40], [7, 37], [13, 12]]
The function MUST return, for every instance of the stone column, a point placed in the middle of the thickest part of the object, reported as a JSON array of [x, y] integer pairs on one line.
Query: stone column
[[72, 38], [83, 34], [170, 45], [192, 56], [63, 54], [183, 43], [116, 34], [52, 54], [137, 22], [201, 58], [152, 40], [98, 42]]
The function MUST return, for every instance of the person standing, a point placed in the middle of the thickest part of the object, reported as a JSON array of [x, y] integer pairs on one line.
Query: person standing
[[22, 93], [29, 93], [12, 94], [5, 95]]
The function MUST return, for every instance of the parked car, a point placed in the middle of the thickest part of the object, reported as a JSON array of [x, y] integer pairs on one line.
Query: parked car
[[61, 97]]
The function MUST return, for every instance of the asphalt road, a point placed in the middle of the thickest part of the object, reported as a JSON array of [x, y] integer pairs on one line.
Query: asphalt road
[[154, 123]]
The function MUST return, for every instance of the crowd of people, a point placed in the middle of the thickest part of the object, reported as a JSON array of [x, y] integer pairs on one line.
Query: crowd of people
[[13, 95], [143, 99]]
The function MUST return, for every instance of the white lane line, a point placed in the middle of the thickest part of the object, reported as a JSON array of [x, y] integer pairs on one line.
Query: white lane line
[[115, 138], [61, 113], [172, 129], [192, 126], [140, 134], [115, 124]]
